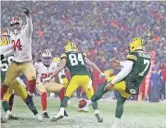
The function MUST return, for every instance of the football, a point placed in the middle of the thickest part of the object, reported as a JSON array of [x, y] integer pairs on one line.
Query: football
[[82, 103]]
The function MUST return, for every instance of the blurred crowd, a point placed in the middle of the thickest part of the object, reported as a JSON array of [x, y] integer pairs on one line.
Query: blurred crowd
[[100, 29]]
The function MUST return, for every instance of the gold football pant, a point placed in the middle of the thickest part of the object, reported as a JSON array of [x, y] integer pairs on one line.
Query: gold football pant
[[65, 82], [15, 69], [49, 87], [77, 81], [120, 86], [18, 88]]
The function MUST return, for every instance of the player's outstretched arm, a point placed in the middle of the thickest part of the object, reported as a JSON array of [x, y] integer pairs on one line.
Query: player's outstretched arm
[[29, 25], [60, 67], [94, 66]]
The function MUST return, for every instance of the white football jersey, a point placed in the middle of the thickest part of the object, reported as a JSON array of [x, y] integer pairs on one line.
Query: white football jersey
[[22, 42], [44, 73]]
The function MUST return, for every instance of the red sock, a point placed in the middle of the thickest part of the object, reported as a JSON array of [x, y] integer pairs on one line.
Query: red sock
[[62, 93], [4, 89], [44, 100], [31, 86], [11, 101]]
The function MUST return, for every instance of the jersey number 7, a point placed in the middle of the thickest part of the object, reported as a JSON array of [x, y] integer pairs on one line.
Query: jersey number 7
[[147, 63]]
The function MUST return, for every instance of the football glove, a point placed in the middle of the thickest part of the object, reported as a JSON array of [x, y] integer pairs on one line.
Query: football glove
[[26, 10]]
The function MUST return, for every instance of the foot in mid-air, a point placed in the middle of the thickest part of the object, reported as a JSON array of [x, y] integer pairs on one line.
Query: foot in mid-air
[[59, 116], [45, 115], [98, 116]]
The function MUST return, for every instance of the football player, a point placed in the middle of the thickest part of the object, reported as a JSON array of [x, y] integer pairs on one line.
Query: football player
[[17, 85], [128, 80], [21, 37], [44, 71], [76, 63]]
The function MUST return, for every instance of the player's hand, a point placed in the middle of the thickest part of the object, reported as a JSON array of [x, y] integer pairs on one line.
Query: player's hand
[[102, 75], [108, 86], [115, 63], [26, 10]]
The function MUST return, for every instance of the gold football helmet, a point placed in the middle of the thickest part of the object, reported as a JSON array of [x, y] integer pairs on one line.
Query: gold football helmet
[[135, 44], [70, 47]]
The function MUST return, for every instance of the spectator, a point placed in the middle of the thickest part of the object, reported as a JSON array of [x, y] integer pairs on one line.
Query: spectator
[[154, 86]]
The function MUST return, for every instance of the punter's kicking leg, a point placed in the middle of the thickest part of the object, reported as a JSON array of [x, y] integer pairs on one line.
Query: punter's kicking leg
[[71, 88]]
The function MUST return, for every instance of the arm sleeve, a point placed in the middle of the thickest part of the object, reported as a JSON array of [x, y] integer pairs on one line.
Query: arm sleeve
[[7, 50], [29, 26], [127, 67]]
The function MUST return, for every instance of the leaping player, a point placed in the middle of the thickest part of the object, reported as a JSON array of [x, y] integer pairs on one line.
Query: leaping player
[[17, 86], [21, 37]]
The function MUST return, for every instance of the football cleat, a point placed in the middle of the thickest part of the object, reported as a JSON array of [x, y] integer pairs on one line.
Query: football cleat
[[65, 113], [8, 114], [59, 116], [39, 117], [3, 120], [45, 115], [98, 116], [13, 118]]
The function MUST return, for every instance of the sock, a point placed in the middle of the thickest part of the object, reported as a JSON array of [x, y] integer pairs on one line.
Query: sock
[[6, 106], [30, 104], [62, 93], [95, 105], [119, 106], [11, 101], [64, 102], [99, 93], [44, 101], [4, 89], [31, 86]]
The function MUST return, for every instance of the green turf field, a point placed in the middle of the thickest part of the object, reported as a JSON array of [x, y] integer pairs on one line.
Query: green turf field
[[144, 115]]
